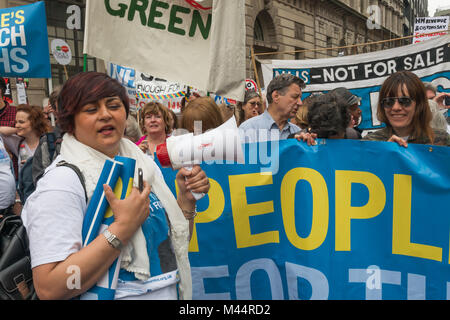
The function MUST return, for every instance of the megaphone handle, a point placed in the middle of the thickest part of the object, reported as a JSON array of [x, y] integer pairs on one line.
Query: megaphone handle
[[196, 195]]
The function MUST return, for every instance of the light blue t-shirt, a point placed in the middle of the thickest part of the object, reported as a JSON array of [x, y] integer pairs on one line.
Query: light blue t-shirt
[[264, 128]]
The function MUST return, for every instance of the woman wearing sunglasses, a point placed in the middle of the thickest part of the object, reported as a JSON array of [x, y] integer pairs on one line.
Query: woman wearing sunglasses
[[250, 107], [403, 107]]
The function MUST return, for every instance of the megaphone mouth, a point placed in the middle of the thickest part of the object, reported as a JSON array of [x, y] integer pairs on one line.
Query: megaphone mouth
[[217, 145], [163, 155]]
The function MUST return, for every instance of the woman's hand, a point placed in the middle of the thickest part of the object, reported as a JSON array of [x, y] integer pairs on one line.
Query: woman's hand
[[439, 99], [129, 213], [188, 181], [310, 138], [399, 140], [47, 110], [143, 146]]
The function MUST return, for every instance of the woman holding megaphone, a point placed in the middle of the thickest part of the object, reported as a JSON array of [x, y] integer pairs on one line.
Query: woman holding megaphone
[[93, 110]]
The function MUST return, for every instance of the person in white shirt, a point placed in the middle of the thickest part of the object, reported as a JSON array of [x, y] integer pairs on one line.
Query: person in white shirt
[[92, 111]]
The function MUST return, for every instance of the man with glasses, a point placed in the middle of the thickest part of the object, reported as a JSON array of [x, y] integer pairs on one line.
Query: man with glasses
[[284, 95]]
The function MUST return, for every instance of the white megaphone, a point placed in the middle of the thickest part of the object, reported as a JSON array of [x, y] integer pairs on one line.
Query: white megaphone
[[214, 146]]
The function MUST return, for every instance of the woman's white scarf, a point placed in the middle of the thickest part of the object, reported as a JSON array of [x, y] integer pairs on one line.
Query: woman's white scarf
[[134, 256]]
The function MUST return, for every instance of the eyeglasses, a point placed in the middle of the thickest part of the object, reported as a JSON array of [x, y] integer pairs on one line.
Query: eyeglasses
[[254, 103], [390, 101]]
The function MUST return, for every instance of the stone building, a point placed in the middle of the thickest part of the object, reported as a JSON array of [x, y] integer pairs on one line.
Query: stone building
[[279, 29], [305, 29]]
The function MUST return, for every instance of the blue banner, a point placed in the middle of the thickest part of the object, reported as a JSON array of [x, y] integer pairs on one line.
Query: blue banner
[[345, 219], [24, 42]]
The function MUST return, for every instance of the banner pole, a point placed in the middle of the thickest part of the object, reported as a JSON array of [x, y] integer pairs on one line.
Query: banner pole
[[256, 71], [65, 71], [84, 62], [50, 86]]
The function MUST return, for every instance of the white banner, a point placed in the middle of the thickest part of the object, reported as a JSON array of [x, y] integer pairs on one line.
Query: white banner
[[198, 43], [142, 88], [363, 74]]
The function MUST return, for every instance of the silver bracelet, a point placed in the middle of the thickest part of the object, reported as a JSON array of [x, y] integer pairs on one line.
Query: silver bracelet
[[190, 215]]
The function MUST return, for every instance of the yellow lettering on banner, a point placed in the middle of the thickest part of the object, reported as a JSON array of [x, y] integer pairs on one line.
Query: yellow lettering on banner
[[319, 226], [242, 211], [20, 17], [4, 19], [213, 212], [401, 224], [117, 192], [345, 213]]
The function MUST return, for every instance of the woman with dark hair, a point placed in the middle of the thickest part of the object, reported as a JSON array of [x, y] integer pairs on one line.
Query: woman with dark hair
[[327, 118], [403, 107], [250, 107], [30, 125], [153, 248]]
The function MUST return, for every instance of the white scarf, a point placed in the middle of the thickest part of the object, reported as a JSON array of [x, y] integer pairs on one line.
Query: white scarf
[[134, 256]]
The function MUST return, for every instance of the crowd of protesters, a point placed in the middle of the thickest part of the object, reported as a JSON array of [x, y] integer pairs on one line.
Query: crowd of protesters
[[93, 111]]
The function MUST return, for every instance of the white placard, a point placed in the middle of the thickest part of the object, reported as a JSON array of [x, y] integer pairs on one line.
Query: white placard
[[21, 93], [61, 52], [427, 25]]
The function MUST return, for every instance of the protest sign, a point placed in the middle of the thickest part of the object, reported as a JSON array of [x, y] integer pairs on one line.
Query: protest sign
[[24, 42], [345, 219], [21, 93], [175, 40], [143, 88], [424, 28], [61, 51], [250, 84], [159, 89], [364, 74]]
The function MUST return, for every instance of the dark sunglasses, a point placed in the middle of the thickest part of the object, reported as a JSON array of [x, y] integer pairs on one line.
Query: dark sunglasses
[[389, 102]]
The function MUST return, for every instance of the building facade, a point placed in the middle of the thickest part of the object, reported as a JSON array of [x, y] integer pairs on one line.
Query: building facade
[[314, 29], [275, 29], [411, 10]]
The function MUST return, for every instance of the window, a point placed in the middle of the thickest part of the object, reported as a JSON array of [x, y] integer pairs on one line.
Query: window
[[329, 42], [329, 45], [299, 31], [299, 55], [258, 31]]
